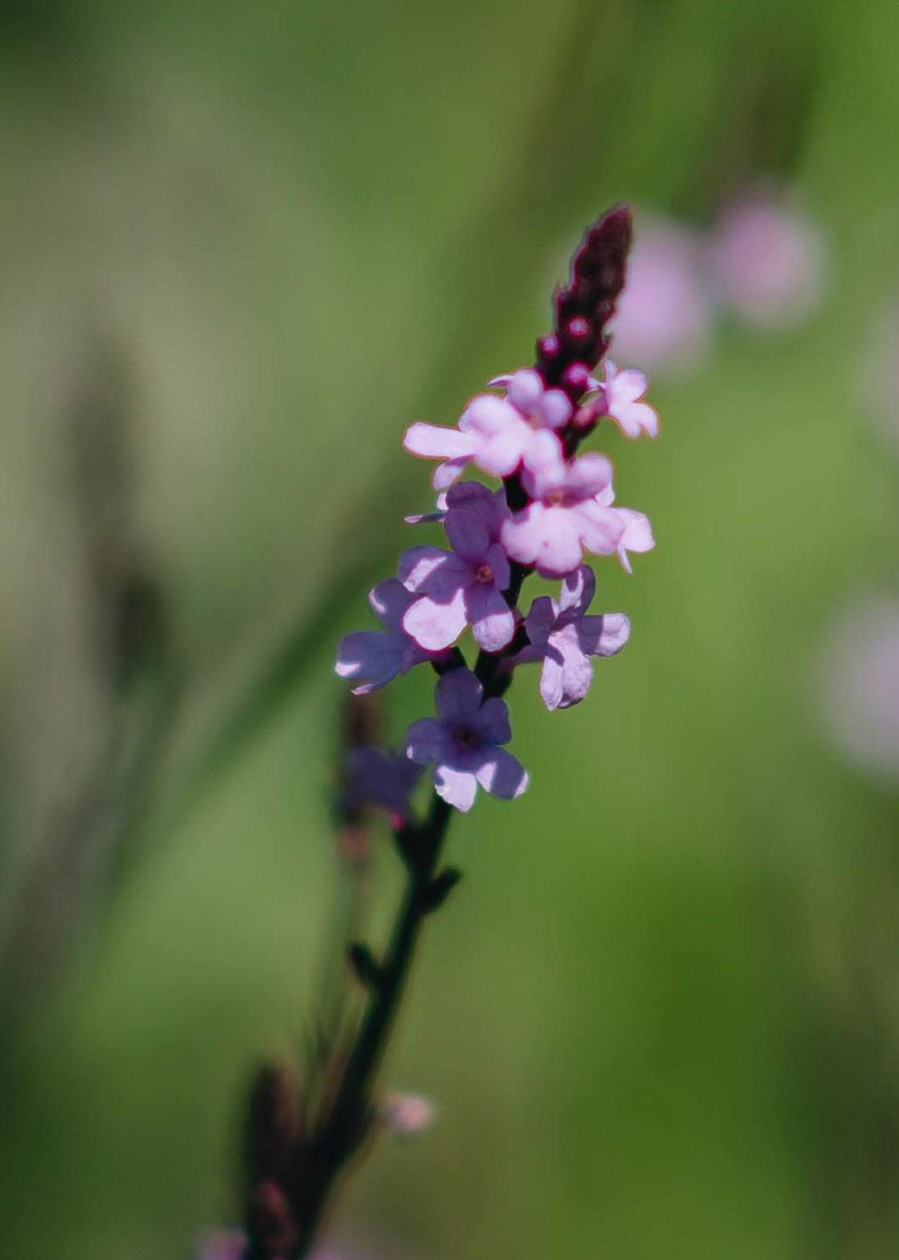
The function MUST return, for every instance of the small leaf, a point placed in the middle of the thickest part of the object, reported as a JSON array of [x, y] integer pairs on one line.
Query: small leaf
[[440, 888], [363, 963]]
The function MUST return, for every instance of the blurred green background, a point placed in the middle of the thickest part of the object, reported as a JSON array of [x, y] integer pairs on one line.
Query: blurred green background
[[243, 247]]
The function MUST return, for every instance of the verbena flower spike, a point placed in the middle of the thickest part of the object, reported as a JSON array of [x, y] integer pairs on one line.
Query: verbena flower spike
[[552, 508]]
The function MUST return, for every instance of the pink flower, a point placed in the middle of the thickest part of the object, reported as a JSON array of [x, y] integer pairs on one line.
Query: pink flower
[[571, 513], [767, 262], [406, 1115], [664, 317], [856, 684], [619, 399], [564, 639], [496, 434], [879, 375]]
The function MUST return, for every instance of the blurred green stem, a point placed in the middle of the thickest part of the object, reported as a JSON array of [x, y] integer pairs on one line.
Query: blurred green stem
[[349, 1119]]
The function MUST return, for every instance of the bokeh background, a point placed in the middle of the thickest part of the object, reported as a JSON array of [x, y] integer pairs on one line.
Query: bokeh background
[[243, 246]]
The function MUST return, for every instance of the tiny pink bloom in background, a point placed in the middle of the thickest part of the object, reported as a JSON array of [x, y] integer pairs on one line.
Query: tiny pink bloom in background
[[766, 261], [664, 317], [856, 685], [221, 1244], [405, 1115], [230, 1244], [880, 376]]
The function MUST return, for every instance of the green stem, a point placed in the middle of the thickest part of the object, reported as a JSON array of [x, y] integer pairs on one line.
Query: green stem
[[348, 1120]]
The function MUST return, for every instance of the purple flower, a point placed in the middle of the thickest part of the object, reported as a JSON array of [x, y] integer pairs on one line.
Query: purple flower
[[375, 777], [572, 512], [463, 586], [496, 434], [619, 399], [371, 658], [463, 742], [564, 639]]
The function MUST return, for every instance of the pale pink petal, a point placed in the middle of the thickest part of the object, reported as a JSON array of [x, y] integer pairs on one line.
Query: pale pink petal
[[492, 620], [603, 636], [555, 409], [433, 441], [457, 787], [589, 475], [601, 528], [432, 571], [525, 390], [576, 672], [551, 680], [545, 537], [436, 624], [445, 474], [577, 591], [637, 535]]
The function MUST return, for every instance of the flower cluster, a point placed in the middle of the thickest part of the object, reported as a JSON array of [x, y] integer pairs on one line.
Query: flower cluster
[[553, 508]]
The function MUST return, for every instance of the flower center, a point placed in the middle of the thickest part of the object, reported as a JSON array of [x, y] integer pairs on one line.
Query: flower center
[[484, 573], [464, 736]]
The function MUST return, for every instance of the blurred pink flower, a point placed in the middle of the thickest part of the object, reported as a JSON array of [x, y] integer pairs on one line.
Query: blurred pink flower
[[229, 1244], [880, 375], [766, 262], [405, 1115], [664, 317], [221, 1244], [857, 685]]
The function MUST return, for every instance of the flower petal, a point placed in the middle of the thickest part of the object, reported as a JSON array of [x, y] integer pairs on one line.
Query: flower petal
[[540, 620], [490, 617], [432, 571], [457, 787], [426, 740], [371, 658], [502, 775], [388, 601], [605, 635], [577, 592], [434, 623], [435, 441], [492, 721], [458, 696]]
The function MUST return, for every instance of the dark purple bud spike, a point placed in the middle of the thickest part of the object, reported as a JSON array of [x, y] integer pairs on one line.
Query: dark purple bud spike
[[584, 306]]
